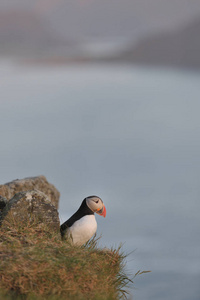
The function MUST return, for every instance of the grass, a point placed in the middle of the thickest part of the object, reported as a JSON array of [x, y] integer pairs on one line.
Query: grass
[[37, 264]]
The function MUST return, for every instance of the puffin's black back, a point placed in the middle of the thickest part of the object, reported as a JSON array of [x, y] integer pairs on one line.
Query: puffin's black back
[[81, 212]]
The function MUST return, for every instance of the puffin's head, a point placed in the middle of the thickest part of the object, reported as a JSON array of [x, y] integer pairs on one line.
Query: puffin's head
[[96, 205]]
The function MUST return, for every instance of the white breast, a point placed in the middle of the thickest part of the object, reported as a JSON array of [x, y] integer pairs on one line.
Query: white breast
[[82, 230]]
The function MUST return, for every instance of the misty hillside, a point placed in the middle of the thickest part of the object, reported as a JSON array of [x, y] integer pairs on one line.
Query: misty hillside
[[26, 33], [113, 18], [179, 48]]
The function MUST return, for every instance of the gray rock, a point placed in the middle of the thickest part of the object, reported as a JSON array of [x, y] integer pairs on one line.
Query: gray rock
[[40, 183], [3, 202], [29, 207]]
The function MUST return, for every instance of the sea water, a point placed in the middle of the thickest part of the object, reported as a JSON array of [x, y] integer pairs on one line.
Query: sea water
[[128, 134]]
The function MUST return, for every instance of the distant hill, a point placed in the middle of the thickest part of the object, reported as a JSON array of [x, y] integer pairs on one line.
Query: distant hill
[[29, 34], [109, 18], [25, 33], [180, 48]]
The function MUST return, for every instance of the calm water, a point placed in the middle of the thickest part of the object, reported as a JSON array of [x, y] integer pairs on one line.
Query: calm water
[[127, 134]]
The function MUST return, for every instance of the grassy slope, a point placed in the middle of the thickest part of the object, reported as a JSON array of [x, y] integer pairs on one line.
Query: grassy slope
[[36, 264]]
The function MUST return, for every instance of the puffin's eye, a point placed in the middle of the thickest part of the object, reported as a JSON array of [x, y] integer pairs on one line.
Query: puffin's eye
[[97, 201]]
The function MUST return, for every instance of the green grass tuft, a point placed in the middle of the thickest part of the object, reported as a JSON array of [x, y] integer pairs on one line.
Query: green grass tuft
[[36, 264]]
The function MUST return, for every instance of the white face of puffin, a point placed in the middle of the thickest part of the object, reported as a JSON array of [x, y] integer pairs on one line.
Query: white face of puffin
[[96, 205]]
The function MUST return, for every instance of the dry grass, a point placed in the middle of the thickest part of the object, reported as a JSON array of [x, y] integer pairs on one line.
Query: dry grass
[[36, 264]]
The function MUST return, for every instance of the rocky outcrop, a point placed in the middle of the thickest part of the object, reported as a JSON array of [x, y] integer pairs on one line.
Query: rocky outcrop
[[31, 200], [30, 207], [40, 183]]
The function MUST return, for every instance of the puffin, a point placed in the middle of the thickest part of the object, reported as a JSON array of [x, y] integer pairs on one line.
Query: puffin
[[82, 225]]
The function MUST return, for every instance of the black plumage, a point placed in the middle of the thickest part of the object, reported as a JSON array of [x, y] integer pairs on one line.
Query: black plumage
[[81, 212]]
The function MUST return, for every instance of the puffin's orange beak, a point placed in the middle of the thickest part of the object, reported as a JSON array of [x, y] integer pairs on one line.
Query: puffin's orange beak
[[102, 212]]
